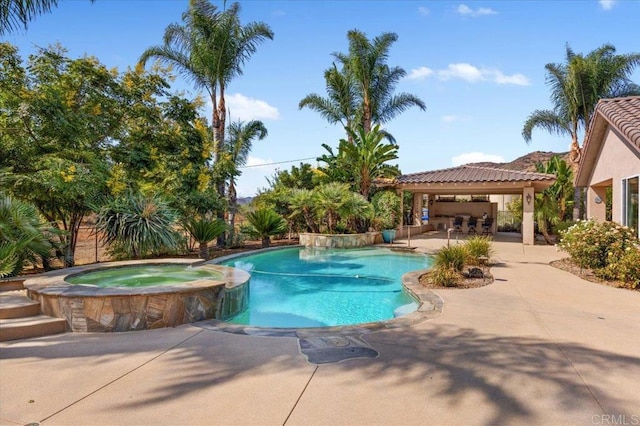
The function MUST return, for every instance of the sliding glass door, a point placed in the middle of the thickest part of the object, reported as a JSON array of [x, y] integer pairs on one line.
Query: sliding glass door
[[630, 198]]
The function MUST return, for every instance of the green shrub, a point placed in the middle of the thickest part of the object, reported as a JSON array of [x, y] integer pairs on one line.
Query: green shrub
[[625, 268], [478, 246], [593, 244], [386, 209], [561, 227], [453, 256], [445, 276]]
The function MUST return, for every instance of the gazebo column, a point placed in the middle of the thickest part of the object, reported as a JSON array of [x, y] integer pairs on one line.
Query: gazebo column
[[528, 231], [417, 208]]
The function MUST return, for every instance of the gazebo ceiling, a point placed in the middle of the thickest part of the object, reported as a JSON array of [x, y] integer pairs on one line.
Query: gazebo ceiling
[[468, 179]]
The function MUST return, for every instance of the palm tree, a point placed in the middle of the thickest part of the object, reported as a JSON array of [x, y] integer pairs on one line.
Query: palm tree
[[204, 230], [330, 200], [24, 236], [361, 92], [303, 205], [263, 224], [18, 13], [237, 148], [341, 104], [362, 159], [561, 192], [576, 86], [210, 49]]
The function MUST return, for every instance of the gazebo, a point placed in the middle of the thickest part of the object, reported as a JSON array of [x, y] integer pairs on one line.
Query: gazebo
[[475, 181]]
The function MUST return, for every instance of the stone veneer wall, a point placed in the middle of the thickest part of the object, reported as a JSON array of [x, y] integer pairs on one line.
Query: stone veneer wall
[[142, 312], [88, 308], [340, 240]]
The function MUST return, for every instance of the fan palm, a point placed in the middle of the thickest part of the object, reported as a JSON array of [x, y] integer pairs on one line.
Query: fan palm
[[237, 148], [263, 223], [210, 49], [330, 199], [203, 231], [576, 86], [303, 205], [24, 237]]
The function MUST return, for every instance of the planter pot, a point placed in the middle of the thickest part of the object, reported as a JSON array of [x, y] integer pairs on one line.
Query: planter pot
[[388, 235]]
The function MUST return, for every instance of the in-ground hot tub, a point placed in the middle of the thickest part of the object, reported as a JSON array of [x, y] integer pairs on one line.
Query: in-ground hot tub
[[204, 292]]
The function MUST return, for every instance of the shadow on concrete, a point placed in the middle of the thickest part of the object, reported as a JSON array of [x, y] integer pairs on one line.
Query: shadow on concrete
[[497, 367]]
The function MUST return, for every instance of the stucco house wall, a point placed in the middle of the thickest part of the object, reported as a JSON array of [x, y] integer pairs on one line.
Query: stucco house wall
[[616, 161]]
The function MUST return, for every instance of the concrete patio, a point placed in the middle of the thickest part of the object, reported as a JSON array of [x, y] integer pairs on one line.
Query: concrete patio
[[538, 346]]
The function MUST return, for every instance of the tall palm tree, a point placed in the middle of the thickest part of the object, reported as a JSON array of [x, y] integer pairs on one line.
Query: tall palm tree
[[561, 192], [576, 86], [237, 148], [210, 49], [361, 92]]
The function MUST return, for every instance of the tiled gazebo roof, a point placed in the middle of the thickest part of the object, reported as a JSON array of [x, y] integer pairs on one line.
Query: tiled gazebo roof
[[472, 174]]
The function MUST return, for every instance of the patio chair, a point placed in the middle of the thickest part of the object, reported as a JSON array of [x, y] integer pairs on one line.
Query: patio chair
[[486, 226], [457, 224], [471, 225]]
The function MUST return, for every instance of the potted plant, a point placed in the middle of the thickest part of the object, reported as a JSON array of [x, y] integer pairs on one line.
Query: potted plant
[[386, 208]]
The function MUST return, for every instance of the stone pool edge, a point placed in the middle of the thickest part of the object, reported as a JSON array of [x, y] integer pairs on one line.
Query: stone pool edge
[[91, 308]]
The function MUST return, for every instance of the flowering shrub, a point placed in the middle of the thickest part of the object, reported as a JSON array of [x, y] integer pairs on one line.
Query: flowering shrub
[[595, 245], [625, 268]]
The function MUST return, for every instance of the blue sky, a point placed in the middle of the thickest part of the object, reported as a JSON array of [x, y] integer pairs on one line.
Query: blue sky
[[478, 66]]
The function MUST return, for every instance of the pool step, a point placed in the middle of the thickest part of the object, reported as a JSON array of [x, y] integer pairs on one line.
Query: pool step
[[34, 326], [16, 304], [11, 284], [20, 316]]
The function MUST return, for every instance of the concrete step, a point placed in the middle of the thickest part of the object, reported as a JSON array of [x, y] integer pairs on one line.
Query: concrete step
[[36, 326], [16, 304], [11, 284]]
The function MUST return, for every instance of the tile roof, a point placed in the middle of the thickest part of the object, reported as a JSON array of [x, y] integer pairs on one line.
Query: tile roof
[[469, 174], [624, 115]]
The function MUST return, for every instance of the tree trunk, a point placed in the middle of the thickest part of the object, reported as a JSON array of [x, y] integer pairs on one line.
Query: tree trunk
[[203, 251], [233, 208], [266, 241], [219, 119], [575, 154]]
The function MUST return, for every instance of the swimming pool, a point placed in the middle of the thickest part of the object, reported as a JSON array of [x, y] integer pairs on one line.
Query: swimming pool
[[306, 287]]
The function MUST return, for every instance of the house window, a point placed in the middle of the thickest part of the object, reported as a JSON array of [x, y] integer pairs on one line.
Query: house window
[[630, 198]]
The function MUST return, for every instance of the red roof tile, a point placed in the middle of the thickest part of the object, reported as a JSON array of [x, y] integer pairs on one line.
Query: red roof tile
[[469, 174], [624, 115]]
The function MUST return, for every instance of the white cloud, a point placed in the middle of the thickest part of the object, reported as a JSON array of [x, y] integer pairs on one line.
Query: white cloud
[[449, 118], [463, 71], [475, 157], [257, 162], [419, 73], [473, 74], [607, 4], [423, 11], [517, 79], [241, 107], [465, 10]]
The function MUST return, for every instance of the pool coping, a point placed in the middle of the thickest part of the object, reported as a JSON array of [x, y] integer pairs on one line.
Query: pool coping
[[54, 282], [430, 305]]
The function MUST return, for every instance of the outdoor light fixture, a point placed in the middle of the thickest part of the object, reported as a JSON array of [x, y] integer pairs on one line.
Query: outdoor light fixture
[[528, 198]]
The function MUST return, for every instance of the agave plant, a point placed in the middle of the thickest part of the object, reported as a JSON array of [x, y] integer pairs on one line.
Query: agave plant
[[136, 226], [263, 224], [204, 230]]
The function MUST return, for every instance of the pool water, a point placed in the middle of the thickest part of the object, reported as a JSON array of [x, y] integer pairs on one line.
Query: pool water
[[144, 276], [301, 287]]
